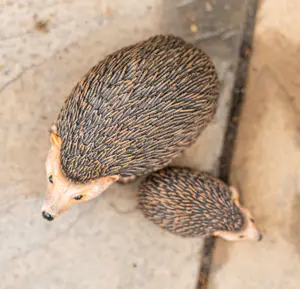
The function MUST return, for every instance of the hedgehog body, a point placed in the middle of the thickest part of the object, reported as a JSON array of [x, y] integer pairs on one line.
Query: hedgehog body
[[137, 109], [193, 204]]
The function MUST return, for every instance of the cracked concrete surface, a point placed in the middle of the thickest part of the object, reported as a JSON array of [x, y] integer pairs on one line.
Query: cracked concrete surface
[[45, 47]]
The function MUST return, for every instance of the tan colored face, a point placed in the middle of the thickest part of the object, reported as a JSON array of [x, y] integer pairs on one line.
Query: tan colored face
[[249, 232], [61, 192]]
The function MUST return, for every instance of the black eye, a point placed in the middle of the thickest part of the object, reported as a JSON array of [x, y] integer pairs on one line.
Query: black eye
[[252, 220], [51, 179], [77, 198], [241, 236]]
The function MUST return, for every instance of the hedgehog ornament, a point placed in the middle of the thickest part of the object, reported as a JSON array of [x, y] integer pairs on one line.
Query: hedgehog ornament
[[131, 114], [194, 204]]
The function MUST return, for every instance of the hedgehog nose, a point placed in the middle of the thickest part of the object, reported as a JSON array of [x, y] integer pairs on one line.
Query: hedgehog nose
[[47, 216], [260, 237]]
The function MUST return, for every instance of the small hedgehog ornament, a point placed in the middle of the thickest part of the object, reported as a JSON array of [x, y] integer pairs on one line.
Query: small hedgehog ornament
[[194, 204], [131, 114]]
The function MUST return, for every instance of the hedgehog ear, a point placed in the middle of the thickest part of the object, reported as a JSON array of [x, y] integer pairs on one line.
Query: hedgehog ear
[[100, 185], [55, 140], [235, 195], [53, 128], [216, 234]]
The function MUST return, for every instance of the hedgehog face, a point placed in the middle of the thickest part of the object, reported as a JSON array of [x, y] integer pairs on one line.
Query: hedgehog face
[[248, 231], [63, 193]]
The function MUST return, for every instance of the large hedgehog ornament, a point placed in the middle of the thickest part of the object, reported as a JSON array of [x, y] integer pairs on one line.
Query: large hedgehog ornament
[[130, 115]]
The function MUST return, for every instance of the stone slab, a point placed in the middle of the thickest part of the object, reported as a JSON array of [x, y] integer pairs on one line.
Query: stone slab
[[266, 165]]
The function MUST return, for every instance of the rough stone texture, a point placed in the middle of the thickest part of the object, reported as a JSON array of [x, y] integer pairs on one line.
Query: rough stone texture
[[266, 165], [45, 47]]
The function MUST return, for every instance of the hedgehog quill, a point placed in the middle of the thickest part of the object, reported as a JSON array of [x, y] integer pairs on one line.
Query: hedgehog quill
[[130, 115], [194, 204]]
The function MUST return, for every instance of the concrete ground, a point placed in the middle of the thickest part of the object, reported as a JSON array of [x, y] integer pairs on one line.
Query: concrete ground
[[45, 47], [266, 165]]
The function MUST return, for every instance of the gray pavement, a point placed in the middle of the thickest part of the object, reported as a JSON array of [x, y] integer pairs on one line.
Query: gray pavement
[[45, 47]]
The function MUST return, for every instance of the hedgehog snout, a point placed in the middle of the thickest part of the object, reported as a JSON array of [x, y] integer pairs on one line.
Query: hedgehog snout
[[47, 216], [55, 202], [50, 211], [249, 232]]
